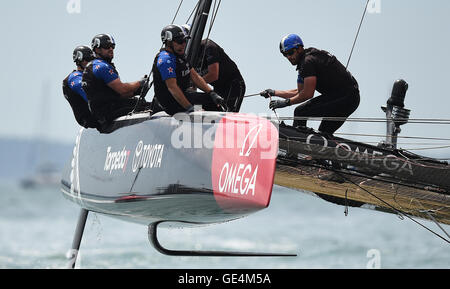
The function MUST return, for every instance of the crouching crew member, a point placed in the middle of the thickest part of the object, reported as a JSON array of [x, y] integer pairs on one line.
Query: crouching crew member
[[219, 70], [321, 71], [73, 91], [173, 75]]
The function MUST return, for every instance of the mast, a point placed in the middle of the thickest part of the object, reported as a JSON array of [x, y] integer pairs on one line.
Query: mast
[[197, 30]]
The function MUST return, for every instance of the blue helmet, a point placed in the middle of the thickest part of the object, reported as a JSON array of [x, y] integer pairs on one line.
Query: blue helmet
[[290, 41]]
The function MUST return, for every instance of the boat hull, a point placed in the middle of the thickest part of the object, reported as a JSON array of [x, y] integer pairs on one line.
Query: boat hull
[[354, 174], [160, 168]]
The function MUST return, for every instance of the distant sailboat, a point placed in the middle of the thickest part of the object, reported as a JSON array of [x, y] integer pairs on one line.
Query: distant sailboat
[[45, 172]]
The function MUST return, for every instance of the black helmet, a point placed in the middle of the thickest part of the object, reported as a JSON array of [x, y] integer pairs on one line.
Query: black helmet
[[173, 33], [103, 41], [82, 53], [187, 28]]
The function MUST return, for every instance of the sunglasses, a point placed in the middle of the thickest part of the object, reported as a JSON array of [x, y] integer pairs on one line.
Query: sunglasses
[[180, 40], [108, 46], [289, 52]]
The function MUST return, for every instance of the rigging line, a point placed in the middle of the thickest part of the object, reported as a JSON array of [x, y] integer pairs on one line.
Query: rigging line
[[216, 11], [300, 139], [207, 38], [401, 213], [431, 146], [428, 148], [432, 218], [402, 144], [250, 95], [176, 14], [357, 34], [347, 141], [367, 119], [211, 24], [405, 158], [192, 13], [148, 85], [406, 137], [274, 110]]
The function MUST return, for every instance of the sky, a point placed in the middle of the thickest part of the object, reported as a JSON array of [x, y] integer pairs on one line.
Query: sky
[[398, 39]]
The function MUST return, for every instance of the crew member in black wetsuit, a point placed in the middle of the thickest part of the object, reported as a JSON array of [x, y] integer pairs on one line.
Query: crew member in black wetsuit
[[109, 97], [73, 91], [172, 75], [321, 71], [217, 69]]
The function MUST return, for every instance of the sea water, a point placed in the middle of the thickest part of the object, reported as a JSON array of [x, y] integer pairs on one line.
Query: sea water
[[37, 227]]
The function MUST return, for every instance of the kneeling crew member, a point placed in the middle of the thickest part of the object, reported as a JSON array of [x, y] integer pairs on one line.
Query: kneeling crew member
[[321, 71], [173, 74], [109, 97], [219, 70], [73, 91]]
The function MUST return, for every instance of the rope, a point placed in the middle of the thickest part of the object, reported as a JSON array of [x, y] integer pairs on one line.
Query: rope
[[192, 13], [368, 119], [357, 34], [428, 148], [211, 24], [148, 84], [432, 218], [405, 159], [176, 13], [400, 212], [250, 95], [405, 137]]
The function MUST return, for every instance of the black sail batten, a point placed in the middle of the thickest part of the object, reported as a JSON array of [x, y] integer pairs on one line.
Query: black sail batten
[[197, 30]]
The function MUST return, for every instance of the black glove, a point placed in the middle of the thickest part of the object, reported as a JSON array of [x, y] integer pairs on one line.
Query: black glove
[[143, 105], [267, 93], [217, 99], [274, 104], [142, 83]]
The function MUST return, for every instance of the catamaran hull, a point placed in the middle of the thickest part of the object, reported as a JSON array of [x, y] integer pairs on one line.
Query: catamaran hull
[[355, 174], [160, 168]]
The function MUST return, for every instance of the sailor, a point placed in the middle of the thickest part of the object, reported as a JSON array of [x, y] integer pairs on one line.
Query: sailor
[[218, 70], [73, 91], [321, 71], [109, 97], [173, 74]]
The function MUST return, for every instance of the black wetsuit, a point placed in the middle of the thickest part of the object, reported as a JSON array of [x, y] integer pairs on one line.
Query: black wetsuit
[[230, 84], [168, 65], [77, 99], [339, 89]]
